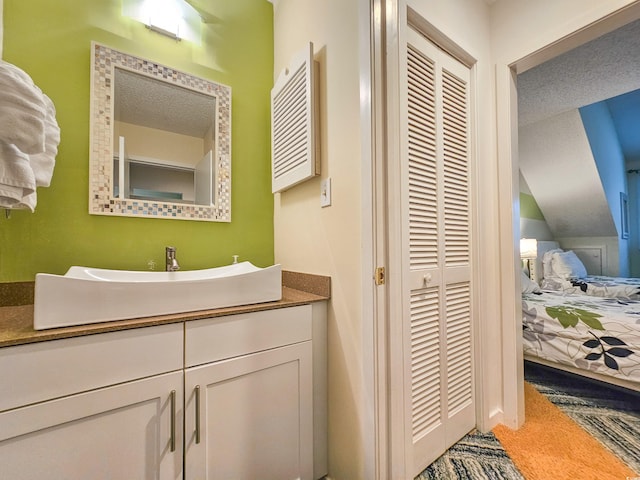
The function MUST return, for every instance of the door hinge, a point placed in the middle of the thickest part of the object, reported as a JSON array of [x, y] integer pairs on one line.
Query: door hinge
[[380, 276]]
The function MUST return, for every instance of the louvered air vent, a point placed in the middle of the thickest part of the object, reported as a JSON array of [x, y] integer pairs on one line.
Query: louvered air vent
[[293, 123]]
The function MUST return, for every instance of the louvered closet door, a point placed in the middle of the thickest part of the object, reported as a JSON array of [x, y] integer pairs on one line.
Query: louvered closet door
[[436, 234]]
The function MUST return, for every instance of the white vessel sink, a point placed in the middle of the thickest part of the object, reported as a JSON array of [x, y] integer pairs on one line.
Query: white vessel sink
[[90, 295]]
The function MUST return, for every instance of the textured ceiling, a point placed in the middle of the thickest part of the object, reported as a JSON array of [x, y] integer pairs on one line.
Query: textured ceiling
[[605, 69], [151, 103]]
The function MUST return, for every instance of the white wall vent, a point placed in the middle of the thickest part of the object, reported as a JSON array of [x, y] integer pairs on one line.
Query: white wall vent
[[294, 145]]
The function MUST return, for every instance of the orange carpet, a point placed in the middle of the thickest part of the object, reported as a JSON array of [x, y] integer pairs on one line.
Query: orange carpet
[[551, 446]]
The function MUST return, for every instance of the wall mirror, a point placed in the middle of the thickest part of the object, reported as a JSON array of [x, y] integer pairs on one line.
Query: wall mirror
[[160, 141]]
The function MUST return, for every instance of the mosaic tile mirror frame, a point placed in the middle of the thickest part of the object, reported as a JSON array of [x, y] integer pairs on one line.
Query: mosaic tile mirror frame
[[107, 196]]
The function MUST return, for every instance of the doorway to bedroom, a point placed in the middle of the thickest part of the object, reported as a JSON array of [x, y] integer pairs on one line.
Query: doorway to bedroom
[[578, 179], [578, 117]]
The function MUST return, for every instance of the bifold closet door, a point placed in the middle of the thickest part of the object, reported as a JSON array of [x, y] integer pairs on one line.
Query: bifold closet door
[[436, 236]]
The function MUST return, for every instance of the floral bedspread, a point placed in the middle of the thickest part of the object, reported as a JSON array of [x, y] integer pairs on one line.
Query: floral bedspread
[[596, 285], [590, 333]]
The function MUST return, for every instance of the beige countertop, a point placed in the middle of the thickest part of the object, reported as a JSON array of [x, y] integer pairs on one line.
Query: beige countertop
[[16, 321]]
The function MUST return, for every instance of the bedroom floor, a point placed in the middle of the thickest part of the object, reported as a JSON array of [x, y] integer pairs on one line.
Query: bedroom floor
[[610, 414]]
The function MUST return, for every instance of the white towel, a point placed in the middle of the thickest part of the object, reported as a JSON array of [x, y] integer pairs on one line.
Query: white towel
[[17, 180], [29, 138], [22, 110], [43, 163]]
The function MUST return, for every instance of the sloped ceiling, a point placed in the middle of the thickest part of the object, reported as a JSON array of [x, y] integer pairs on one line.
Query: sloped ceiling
[[555, 157], [603, 69]]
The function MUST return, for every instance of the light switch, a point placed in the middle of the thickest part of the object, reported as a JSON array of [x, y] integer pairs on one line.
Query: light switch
[[325, 192]]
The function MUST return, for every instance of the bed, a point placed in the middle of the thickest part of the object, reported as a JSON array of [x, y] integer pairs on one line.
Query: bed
[[591, 328], [592, 336], [597, 286], [561, 270]]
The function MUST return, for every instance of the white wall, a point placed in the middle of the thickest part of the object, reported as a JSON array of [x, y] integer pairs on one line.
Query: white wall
[[328, 240], [153, 144], [533, 228], [608, 246]]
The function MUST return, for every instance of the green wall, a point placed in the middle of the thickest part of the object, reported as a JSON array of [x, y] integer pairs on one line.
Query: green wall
[[529, 207], [51, 41]]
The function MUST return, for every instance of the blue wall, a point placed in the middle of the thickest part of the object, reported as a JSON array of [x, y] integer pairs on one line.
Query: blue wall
[[605, 146]]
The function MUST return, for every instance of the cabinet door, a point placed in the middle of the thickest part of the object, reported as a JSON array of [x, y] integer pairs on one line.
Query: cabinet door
[[250, 417], [122, 432]]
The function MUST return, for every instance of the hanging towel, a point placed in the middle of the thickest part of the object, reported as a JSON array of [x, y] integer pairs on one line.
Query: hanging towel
[[43, 163], [29, 138], [17, 180], [22, 110]]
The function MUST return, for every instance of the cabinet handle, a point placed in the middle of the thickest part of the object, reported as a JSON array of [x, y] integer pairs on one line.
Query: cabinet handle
[[173, 420], [197, 414]]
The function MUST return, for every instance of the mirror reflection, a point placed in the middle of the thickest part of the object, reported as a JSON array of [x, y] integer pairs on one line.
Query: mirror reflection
[[160, 141], [164, 139]]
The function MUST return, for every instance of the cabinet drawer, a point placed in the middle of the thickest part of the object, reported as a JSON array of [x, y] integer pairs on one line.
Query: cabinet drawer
[[42, 371], [214, 339]]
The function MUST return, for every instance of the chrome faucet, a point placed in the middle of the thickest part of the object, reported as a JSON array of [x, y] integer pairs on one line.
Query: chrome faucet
[[172, 262]]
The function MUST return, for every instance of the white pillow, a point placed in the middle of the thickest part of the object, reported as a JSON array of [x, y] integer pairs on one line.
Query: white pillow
[[547, 270], [528, 285], [567, 265]]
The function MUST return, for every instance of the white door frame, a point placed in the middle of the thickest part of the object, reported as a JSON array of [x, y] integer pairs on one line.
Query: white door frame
[[374, 420], [379, 20], [508, 173]]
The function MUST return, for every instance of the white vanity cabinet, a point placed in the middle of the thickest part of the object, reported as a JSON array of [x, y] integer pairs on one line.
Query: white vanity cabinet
[[236, 397], [101, 407], [249, 396]]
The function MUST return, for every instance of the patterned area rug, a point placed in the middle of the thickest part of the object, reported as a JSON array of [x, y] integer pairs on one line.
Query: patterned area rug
[[610, 414], [478, 456]]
